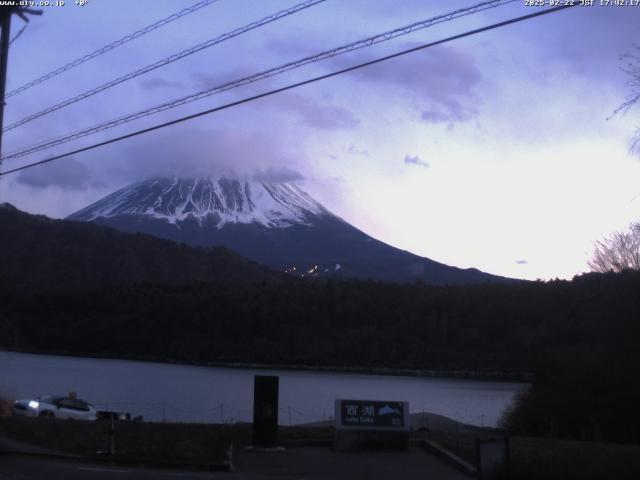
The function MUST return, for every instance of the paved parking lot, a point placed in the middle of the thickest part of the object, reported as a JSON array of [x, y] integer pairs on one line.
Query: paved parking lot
[[293, 464], [324, 463]]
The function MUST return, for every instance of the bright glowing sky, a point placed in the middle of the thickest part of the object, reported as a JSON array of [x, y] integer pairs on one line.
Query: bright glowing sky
[[494, 151]]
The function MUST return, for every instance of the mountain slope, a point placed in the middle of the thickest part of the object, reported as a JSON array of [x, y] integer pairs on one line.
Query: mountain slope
[[278, 225], [39, 252], [216, 201]]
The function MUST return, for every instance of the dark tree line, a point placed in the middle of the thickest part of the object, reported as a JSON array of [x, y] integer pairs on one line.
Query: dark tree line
[[580, 338]]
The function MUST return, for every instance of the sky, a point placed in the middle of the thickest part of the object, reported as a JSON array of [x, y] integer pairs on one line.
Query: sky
[[498, 151]]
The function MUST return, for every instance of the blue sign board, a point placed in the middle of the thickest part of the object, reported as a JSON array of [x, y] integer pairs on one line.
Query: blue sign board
[[372, 414]]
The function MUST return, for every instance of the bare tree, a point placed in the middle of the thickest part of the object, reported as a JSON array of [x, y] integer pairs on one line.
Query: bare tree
[[619, 252], [632, 69]]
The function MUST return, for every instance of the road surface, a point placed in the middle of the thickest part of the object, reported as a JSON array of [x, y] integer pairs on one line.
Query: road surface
[[294, 464]]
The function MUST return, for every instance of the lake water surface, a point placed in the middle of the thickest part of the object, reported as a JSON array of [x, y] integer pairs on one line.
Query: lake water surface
[[206, 394]]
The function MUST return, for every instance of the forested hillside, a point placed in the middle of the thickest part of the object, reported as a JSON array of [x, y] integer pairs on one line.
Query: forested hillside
[[42, 253], [106, 293]]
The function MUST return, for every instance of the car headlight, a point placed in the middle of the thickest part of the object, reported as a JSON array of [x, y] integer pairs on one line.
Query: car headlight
[[33, 404]]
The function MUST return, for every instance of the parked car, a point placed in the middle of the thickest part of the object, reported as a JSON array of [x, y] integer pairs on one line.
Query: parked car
[[55, 406]]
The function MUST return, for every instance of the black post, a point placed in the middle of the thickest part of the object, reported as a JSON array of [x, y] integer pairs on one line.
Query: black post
[[112, 433], [4, 60], [265, 411]]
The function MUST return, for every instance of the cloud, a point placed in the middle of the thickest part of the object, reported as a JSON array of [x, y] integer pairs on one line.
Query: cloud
[[292, 50], [434, 117], [277, 175], [214, 152], [440, 81], [307, 110], [354, 150], [314, 114], [522, 262], [67, 173], [415, 160], [450, 112], [159, 83], [206, 80], [589, 45]]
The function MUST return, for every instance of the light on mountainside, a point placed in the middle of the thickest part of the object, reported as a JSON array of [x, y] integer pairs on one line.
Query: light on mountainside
[[619, 252]]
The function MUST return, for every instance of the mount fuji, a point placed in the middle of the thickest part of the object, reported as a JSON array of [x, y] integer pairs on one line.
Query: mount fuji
[[276, 224]]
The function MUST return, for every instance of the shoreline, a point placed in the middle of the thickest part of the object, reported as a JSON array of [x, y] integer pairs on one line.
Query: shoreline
[[486, 375]]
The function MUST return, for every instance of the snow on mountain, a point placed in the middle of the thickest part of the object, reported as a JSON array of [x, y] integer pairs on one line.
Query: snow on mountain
[[275, 224], [217, 200]]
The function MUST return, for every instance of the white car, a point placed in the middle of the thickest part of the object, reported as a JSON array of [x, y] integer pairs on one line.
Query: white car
[[55, 406]]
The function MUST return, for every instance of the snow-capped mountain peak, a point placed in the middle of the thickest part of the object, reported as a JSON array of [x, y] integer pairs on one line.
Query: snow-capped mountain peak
[[276, 224], [218, 200]]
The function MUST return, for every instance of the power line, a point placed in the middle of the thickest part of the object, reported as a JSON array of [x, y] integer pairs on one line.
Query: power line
[[111, 46], [17, 35], [166, 61], [372, 40], [5, 21], [293, 85]]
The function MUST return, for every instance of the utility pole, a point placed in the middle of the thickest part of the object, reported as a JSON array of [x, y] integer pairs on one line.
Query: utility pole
[[5, 25], [4, 58]]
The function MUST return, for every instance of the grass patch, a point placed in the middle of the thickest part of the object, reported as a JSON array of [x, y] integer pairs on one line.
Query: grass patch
[[551, 459], [6, 402], [145, 441], [182, 443], [156, 442]]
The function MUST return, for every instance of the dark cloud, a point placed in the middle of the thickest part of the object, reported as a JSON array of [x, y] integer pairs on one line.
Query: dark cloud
[[415, 160], [314, 114], [159, 83], [67, 173], [309, 111], [522, 262], [440, 81], [204, 81]]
